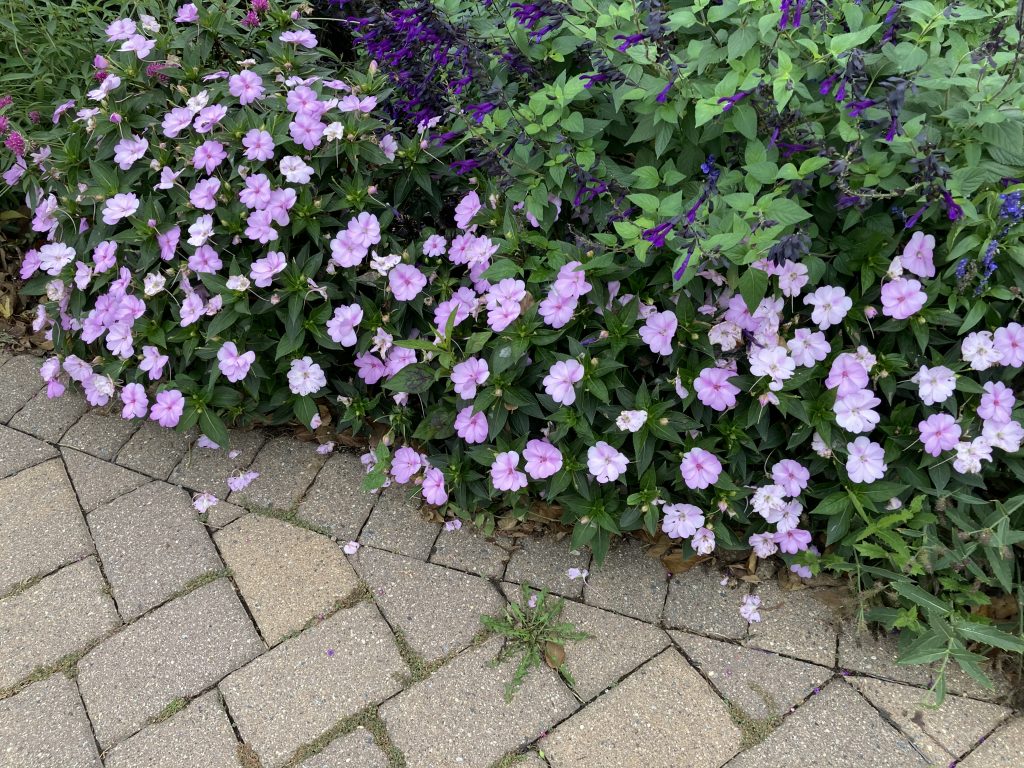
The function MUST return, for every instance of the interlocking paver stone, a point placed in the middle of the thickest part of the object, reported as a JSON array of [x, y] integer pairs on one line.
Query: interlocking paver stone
[[699, 602], [41, 526], [941, 734], [336, 501], [458, 718], [19, 381], [542, 563], [152, 545], [760, 683], [19, 451], [286, 467], [62, 614], [861, 652], [835, 728], [176, 651], [293, 694], [45, 726], [436, 609], [397, 525], [198, 736], [1000, 750], [469, 550], [652, 713], [221, 514], [154, 450], [795, 624], [49, 418], [616, 646], [628, 582], [97, 482], [100, 434], [286, 574], [208, 469], [356, 750]]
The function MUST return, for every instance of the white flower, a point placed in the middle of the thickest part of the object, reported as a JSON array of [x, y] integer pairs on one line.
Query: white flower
[[979, 350], [198, 101], [238, 283], [153, 283], [295, 170], [53, 257], [935, 385], [819, 447], [727, 335], [631, 421], [970, 455], [201, 231], [774, 362], [384, 264], [334, 132]]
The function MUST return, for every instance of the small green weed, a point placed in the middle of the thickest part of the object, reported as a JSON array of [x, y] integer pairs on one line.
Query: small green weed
[[533, 629]]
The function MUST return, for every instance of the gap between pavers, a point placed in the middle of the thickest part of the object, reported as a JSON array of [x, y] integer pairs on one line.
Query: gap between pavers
[[49, 418], [19, 451], [19, 382], [286, 467], [208, 469], [62, 614], [336, 502], [395, 524], [98, 482], [174, 652], [41, 525], [45, 726], [100, 433], [300, 689], [1000, 750], [661, 712], [287, 575]]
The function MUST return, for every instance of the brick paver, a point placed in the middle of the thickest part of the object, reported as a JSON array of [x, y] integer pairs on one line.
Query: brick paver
[[1000, 750], [543, 563], [19, 451], [178, 650], [699, 602], [198, 735], [795, 623], [336, 502], [457, 718], [19, 382], [356, 750], [154, 451], [469, 550], [96, 482], [298, 690], [100, 434], [49, 418], [45, 726], [207, 469], [287, 575], [286, 469], [62, 614], [629, 582], [152, 546], [397, 526], [41, 526]]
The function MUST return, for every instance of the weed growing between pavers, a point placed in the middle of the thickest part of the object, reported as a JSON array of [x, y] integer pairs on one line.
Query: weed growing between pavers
[[511, 760], [754, 730], [361, 594], [532, 628], [174, 706], [287, 515], [419, 667], [369, 719], [247, 757], [68, 665]]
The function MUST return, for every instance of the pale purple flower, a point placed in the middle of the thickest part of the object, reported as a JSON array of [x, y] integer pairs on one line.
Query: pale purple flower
[[434, 493], [135, 402], [571, 281], [121, 29], [792, 541], [241, 481], [866, 462], [369, 367], [388, 146], [204, 501], [1009, 344], [902, 298], [700, 468], [792, 278], [177, 120], [472, 427], [259, 145], [939, 432], [302, 37], [128, 151], [208, 156], [605, 463], [557, 309], [542, 459], [791, 475], [120, 206], [468, 375], [167, 409], [405, 463], [681, 521], [247, 86], [763, 544], [141, 45], [714, 389], [505, 474], [365, 229], [203, 194], [997, 403], [263, 270], [406, 282], [846, 375], [342, 327], [205, 260], [703, 541], [808, 348], [917, 256], [306, 377], [659, 331], [208, 118], [748, 610], [434, 245], [232, 363], [187, 14], [351, 547], [467, 208], [854, 411], [192, 308], [152, 362], [558, 384], [306, 131]]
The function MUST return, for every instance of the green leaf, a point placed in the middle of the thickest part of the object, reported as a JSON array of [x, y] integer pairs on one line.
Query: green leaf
[[925, 600], [212, 426], [753, 285], [845, 42], [304, 409], [414, 379], [989, 635]]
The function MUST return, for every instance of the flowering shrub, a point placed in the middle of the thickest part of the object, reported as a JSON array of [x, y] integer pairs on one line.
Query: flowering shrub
[[232, 235]]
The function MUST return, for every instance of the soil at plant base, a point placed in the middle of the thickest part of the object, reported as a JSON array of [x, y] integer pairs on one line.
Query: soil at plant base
[[15, 311]]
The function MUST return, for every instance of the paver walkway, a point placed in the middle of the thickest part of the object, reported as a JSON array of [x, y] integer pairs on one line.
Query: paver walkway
[[137, 633]]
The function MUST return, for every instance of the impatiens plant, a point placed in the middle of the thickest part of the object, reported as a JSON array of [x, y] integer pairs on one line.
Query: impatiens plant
[[234, 230]]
